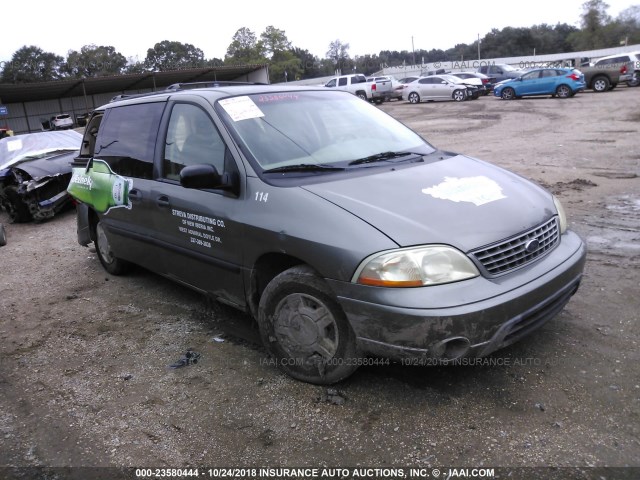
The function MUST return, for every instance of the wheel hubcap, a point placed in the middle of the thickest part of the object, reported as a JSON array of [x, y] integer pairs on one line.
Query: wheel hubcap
[[103, 245], [305, 327]]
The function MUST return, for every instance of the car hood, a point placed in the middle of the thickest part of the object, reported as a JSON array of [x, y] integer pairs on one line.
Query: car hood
[[459, 201], [55, 164]]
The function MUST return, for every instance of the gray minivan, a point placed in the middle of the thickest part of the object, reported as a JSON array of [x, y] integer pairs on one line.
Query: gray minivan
[[344, 233]]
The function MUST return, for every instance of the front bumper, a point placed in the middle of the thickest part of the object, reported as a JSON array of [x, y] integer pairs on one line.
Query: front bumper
[[464, 319]]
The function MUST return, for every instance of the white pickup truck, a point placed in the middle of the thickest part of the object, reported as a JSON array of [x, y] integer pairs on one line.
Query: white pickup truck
[[358, 85]]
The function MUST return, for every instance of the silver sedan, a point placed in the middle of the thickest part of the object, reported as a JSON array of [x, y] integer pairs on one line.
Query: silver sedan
[[434, 87]]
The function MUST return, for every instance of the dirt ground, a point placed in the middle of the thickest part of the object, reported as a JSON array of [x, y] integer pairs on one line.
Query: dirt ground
[[84, 356]]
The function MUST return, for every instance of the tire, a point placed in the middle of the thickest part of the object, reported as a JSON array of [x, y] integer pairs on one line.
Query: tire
[[3, 236], [563, 91], [459, 95], [634, 83], [361, 95], [413, 98], [508, 94], [304, 328], [111, 263], [17, 209], [600, 84]]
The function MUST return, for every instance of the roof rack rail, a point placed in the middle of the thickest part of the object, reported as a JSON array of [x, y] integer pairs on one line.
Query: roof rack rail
[[185, 86], [212, 83], [124, 96]]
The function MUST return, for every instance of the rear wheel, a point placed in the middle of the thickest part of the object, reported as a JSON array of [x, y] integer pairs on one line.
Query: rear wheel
[[414, 97], [563, 91], [361, 95], [600, 84], [111, 263], [304, 328], [508, 94]]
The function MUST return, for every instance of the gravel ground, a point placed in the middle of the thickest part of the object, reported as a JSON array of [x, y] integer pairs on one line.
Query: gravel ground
[[84, 356]]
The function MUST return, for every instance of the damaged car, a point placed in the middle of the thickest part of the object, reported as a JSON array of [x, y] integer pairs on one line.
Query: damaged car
[[35, 170]]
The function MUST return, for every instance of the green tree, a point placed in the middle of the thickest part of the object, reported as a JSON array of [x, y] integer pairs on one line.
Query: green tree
[[629, 21], [94, 61], [169, 55], [593, 21], [309, 64], [244, 48], [32, 64], [274, 41], [339, 53]]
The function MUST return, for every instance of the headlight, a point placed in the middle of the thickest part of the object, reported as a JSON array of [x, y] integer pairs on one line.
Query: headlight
[[561, 215], [415, 267]]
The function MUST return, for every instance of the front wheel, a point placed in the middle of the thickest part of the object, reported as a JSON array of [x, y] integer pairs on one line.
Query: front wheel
[[3, 236], [414, 97], [459, 95], [111, 263], [304, 328], [508, 94], [563, 91]]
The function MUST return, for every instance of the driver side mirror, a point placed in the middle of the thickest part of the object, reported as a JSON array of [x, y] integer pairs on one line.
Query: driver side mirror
[[206, 176]]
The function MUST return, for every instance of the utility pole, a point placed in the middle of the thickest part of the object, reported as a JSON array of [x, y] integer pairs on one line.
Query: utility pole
[[413, 50], [478, 46]]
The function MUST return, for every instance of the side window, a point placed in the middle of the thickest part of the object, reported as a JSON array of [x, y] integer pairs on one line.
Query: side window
[[89, 139], [127, 139], [342, 81], [424, 80], [331, 83], [192, 139]]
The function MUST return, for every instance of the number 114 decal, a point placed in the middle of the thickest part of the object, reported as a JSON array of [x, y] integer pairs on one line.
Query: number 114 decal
[[262, 196]]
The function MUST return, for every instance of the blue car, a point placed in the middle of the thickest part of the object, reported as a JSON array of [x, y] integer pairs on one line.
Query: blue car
[[560, 82]]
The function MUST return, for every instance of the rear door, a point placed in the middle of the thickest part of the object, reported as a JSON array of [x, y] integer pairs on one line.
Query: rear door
[[198, 228], [124, 151]]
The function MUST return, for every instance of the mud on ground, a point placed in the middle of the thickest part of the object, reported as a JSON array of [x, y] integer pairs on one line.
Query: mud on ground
[[84, 356]]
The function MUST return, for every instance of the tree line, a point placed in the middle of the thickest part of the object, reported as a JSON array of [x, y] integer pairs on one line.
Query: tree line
[[286, 62]]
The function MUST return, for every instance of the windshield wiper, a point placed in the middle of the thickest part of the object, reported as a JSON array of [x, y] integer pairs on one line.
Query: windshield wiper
[[303, 167], [381, 157]]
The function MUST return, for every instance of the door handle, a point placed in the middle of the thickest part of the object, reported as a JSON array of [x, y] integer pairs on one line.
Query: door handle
[[135, 194], [163, 201]]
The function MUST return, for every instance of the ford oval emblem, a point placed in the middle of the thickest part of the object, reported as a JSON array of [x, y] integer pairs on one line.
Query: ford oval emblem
[[531, 246]]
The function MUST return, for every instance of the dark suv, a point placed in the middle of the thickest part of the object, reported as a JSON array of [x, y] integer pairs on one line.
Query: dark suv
[[343, 232]]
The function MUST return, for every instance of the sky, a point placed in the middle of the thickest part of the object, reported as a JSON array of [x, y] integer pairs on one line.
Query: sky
[[367, 26]]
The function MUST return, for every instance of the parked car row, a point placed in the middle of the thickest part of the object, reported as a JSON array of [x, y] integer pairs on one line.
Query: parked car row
[[557, 82]]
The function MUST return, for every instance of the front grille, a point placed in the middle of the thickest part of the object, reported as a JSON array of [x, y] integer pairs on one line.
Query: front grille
[[518, 251]]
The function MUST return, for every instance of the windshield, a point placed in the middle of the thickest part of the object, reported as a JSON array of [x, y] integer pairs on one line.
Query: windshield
[[509, 68], [311, 128]]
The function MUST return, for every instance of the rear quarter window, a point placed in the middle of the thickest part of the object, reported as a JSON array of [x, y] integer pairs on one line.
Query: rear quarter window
[[127, 138]]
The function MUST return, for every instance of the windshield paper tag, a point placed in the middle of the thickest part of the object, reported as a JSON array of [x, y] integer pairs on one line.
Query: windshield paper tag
[[241, 108], [477, 190]]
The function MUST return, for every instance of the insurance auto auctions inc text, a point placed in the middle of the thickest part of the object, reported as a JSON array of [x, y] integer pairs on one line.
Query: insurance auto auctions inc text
[[350, 473]]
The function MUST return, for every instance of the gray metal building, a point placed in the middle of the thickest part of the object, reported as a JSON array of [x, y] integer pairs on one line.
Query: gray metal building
[[24, 107]]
